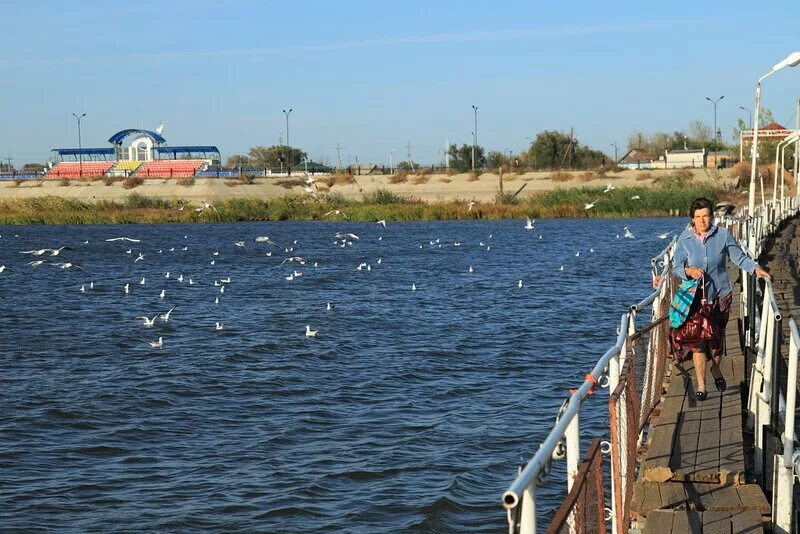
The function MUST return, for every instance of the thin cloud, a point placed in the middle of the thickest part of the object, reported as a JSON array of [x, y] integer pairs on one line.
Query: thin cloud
[[434, 39]]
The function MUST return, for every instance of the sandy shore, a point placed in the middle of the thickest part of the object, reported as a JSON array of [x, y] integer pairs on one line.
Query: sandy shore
[[429, 188]]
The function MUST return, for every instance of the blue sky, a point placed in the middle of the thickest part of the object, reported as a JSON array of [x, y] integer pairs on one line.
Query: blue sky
[[373, 76]]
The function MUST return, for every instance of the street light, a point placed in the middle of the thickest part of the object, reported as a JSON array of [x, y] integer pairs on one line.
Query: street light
[[391, 160], [779, 149], [790, 61], [288, 146], [750, 113], [716, 134], [614, 144], [80, 148], [474, 135]]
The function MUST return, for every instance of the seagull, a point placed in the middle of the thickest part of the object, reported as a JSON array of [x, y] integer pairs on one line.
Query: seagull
[[309, 332], [529, 224], [91, 285], [213, 262], [239, 243], [127, 288], [57, 251], [608, 188], [329, 306], [35, 252], [470, 204], [140, 257], [519, 284], [264, 239], [216, 300], [129, 251], [162, 294], [67, 265], [335, 212], [215, 253], [413, 287], [141, 282], [166, 275], [35, 263], [382, 222], [123, 239], [561, 268], [191, 282], [82, 289], [157, 344], [636, 197], [298, 259], [219, 326], [180, 278], [165, 316], [577, 254], [290, 277], [4, 268], [471, 269], [225, 280], [628, 234], [340, 235], [222, 289], [149, 323], [590, 205], [664, 235]]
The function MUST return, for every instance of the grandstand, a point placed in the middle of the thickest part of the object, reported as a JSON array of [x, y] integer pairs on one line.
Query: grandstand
[[134, 151]]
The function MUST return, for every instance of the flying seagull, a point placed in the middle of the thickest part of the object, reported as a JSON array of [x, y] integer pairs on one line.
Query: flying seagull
[[590, 205]]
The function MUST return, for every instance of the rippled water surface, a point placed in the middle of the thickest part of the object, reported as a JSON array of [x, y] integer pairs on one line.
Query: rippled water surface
[[409, 411]]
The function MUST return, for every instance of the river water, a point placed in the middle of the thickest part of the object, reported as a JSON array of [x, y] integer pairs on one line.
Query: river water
[[409, 411]]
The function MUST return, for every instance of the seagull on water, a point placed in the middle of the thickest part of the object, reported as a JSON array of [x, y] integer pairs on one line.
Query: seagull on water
[[35, 263], [142, 281], [329, 306], [519, 284], [529, 224], [4, 268], [264, 239], [157, 344], [124, 239], [239, 243], [382, 222], [628, 234], [660, 236], [127, 288], [149, 323], [66, 265], [219, 326], [165, 316], [309, 332], [140, 257], [162, 294]]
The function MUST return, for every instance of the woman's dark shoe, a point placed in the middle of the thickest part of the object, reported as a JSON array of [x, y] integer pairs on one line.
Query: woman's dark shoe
[[720, 383], [700, 395]]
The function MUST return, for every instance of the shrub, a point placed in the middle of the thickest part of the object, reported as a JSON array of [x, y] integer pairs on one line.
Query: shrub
[[400, 177], [587, 176], [421, 180], [343, 179], [109, 180], [288, 184], [445, 180], [186, 182], [474, 176], [559, 176], [247, 179], [18, 182], [452, 172], [64, 182], [132, 181], [384, 197], [424, 171], [643, 176]]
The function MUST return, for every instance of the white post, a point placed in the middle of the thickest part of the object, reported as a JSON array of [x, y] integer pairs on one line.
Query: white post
[[527, 523], [573, 437], [783, 490]]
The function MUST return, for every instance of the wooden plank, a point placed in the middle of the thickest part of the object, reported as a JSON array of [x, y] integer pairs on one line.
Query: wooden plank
[[716, 522], [701, 495], [684, 452], [659, 522], [707, 460], [726, 498], [687, 521], [731, 450], [656, 465], [673, 496], [753, 498], [646, 498], [747, 521]]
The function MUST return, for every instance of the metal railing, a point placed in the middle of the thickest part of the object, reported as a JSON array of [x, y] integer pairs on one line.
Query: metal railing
[[636, 390]]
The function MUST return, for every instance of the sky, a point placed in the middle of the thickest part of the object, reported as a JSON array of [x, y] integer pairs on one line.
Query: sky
[[374, 77]]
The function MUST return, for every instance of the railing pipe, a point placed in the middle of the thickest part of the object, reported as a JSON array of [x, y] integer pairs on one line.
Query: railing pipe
[[511, 497], [791, 394]]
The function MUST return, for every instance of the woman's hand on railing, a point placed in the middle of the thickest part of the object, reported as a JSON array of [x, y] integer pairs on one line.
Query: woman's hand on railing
[[761, 273]]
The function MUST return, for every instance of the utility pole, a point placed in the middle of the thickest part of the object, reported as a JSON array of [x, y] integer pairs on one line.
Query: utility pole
[[408, 156], [339, 156], [716, 134], [9, 159], [446, 154], [614, 144]]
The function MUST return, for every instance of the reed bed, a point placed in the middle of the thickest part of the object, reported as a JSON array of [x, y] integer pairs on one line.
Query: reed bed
[[659, 200]]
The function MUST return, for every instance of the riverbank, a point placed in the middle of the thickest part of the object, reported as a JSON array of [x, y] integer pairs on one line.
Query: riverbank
[[157, 202]]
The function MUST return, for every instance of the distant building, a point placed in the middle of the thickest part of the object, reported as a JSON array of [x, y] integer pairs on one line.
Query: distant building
[[721, 159], [312, 167], [636, 158], [687, 157]]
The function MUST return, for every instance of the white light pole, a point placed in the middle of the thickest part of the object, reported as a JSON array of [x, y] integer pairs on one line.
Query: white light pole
[[780, 149], [80, 148], [474, 135], [716, 136], [391, 160], [750, 113], [790, 61], [288, 146]]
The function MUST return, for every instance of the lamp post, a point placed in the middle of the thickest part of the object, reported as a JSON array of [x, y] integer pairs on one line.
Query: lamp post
[[716, 134], [790, 61], [474, 135], [391, 161], [288, 146], [614, 144], [80, 147], [750, 113]]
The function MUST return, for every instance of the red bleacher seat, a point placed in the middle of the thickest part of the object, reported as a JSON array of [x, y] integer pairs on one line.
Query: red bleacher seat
[[171, 168], [76, 169]]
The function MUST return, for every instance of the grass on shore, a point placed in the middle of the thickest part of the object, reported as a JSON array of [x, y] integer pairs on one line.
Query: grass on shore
[[668, 196]]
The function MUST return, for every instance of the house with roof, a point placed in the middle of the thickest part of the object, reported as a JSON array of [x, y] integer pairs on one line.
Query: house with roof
[[636, 158], [362, 169], [685, 157]]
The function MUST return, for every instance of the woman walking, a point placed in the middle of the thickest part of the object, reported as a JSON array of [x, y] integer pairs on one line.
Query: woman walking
[[701, 252]]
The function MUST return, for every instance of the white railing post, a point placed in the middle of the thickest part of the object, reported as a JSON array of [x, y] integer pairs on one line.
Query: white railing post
[[573, 436], [527, 521], [783, 486]]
